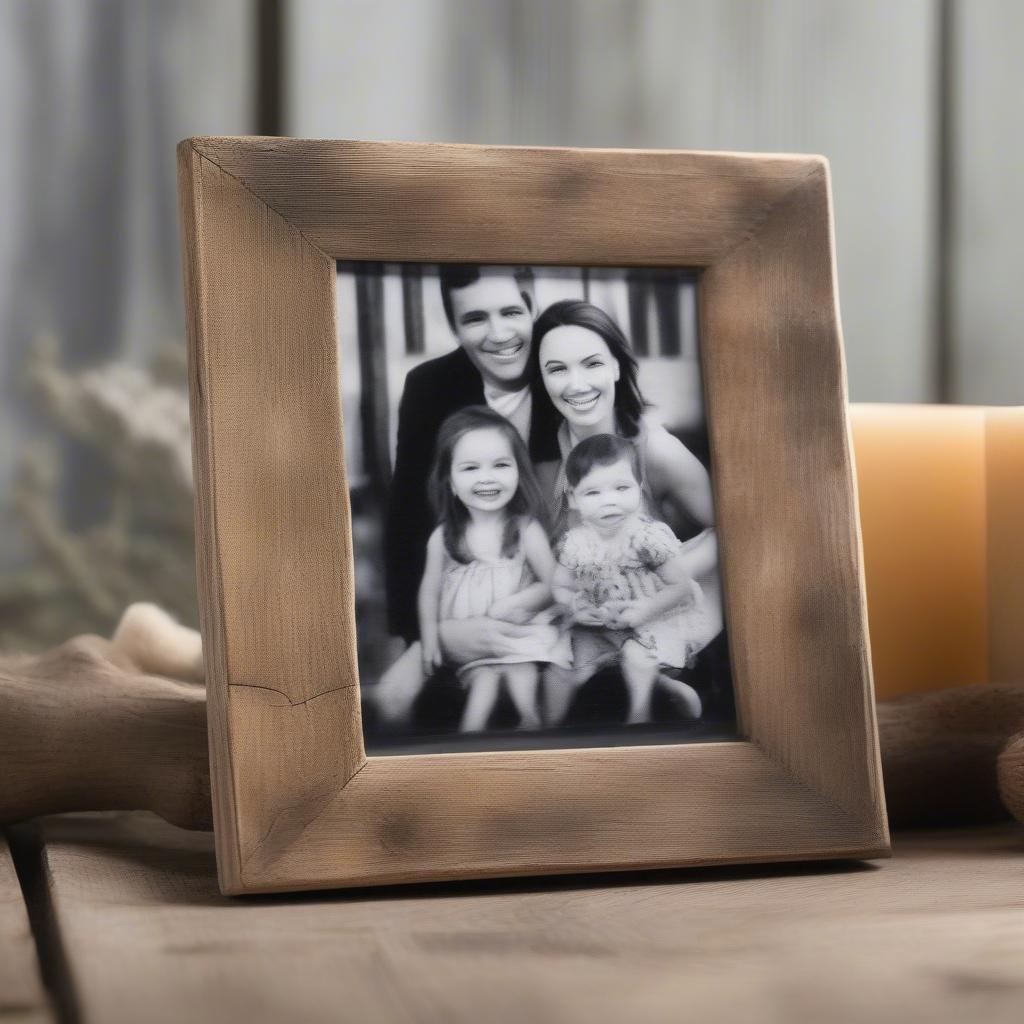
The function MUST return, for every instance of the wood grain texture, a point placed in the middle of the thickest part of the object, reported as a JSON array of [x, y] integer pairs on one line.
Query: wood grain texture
[[403, 819], [210, 587], [785, 500], [272, 506], [297, 804], [83, 726], [933, 936], [500, 204], [22, 999]]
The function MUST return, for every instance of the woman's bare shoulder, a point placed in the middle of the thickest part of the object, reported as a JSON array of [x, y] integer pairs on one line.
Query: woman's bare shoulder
[[663, 449]]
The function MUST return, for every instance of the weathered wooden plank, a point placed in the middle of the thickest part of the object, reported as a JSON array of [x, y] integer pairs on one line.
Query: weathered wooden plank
[[22, 999], [987, 216], [936, 935]]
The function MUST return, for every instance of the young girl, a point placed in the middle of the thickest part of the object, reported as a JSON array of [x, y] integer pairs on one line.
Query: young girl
[[621, 577], [488, 557]]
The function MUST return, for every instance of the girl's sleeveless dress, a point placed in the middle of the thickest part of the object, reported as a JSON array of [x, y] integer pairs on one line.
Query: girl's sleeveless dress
[[469, 589]]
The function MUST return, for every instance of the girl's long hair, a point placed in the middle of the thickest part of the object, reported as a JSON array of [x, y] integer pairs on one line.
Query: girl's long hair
[[629, 402], [527, 502]]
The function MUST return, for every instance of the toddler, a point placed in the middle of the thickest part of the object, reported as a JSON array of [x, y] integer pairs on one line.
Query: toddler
[[623, 582]]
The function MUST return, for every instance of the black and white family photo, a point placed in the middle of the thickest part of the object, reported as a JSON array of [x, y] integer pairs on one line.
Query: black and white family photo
[[534, 536]]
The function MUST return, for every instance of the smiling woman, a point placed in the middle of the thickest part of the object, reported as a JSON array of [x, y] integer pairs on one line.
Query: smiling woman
[[581, 356], [464, 520]]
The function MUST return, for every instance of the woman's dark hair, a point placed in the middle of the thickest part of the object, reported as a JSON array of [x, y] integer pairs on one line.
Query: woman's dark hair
[[600, 450], [462, 275], [454, 517], [629, 402]]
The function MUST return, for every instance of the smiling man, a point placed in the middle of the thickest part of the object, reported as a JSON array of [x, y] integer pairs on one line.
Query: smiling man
[[491, 312]]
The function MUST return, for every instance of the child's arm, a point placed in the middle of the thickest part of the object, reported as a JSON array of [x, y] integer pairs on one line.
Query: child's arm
[[680, 591], [562, 587], [428, 602], [524, 604], [564, 590]]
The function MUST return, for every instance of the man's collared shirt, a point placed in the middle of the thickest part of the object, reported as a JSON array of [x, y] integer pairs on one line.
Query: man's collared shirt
[[515, 406]]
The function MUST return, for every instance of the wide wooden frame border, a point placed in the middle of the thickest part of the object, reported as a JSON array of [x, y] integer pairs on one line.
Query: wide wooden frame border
[[298, 805]]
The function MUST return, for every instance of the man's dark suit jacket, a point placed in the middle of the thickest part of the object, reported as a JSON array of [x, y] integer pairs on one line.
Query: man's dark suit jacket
[[433, 391]]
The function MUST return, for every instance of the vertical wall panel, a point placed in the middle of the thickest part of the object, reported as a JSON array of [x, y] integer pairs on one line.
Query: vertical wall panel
[[368, 70], [94, 95], [987, 215], [855, 81]]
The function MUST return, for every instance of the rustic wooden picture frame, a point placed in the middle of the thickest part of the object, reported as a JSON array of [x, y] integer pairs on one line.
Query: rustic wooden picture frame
[[297, 803]]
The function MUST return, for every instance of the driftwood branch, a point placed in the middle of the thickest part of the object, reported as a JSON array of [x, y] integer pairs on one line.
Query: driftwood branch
[[947, 755], [106, 725], [98, 725]]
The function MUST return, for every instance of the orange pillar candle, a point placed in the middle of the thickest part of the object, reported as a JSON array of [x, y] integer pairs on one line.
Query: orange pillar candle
[[921, 479], [942, 517]]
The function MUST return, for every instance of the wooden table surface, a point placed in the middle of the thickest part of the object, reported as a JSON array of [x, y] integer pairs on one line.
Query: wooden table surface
[[21, 992], [132, 928]]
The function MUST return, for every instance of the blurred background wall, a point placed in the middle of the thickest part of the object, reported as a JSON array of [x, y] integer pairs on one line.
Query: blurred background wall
[[916, 104]]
